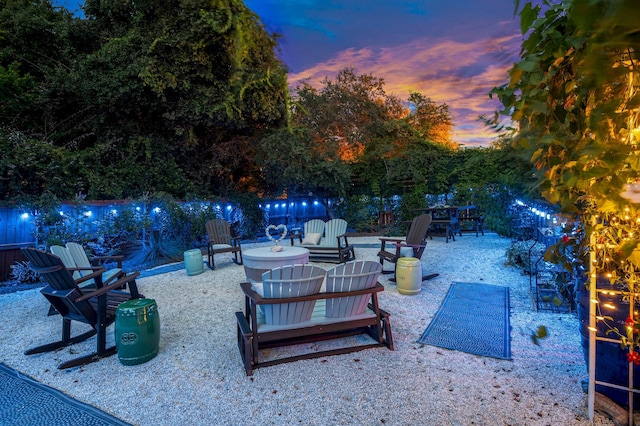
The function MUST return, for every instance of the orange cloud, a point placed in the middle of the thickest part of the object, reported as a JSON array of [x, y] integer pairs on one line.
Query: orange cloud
[[456, 73]]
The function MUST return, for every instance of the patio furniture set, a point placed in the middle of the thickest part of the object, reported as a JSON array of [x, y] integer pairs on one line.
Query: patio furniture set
[[287, 300]]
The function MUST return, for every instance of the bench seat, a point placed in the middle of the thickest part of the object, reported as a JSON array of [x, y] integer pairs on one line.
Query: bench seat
[[318, 317]]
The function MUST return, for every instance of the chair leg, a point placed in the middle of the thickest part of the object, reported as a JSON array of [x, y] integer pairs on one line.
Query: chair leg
[[87, 359], [210, 263], [49, 347], [387, 330]]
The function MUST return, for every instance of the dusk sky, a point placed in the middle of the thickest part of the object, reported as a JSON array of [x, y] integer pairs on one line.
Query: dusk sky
[[453, 52]]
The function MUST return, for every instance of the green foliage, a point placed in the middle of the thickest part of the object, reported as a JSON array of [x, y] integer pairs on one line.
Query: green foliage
[[569, 96], [519, 255], [539, 334], [411, 201], [145, 96], [574, 98], [248, 218], [433, 122], [360, 212], [292, 161], [21, 272]]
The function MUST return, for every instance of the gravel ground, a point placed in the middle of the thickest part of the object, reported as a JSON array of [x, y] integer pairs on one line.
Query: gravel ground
[[198, 377]]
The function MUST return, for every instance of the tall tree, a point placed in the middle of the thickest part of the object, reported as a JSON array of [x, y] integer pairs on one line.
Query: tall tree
[[144, 96], [432, 121]]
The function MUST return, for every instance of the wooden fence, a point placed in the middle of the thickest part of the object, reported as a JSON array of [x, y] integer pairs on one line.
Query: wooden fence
[[17, 227]]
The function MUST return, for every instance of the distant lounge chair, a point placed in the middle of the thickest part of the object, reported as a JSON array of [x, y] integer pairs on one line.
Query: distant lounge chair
[[413, 245], [221, 240]]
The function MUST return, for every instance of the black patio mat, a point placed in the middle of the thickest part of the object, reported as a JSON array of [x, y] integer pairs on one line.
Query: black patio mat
[[473, 318], [26, 402]]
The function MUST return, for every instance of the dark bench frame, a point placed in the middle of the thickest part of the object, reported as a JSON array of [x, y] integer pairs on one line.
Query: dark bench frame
[[251, 341]]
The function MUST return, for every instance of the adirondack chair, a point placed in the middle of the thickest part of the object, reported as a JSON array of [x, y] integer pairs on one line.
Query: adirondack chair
[[221, 240], [313, 232], [334, 246], [411, 246], [351, 276], [290, 281], [80, 265], [82, 261], [95, 307], [63, 253]]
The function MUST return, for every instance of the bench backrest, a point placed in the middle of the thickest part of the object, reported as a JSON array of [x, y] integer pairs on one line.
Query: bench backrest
[[286, 282], [351, 276], [315, 226], [332, 230]]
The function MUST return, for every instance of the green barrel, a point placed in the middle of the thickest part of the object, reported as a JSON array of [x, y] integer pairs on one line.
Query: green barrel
[[193, 262], [137, 331]]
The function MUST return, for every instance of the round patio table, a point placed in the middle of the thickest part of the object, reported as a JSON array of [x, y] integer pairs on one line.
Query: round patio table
[[259, 260]]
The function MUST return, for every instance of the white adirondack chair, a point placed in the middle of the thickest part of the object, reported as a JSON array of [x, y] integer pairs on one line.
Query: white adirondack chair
[[333, 230], [63, 253], [351, 276], [313, 232], [81, 260], [286, 282]]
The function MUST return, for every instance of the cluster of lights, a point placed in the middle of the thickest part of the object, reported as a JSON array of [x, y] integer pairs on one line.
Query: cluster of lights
[[600, 262], [284, 205], [537, 212]]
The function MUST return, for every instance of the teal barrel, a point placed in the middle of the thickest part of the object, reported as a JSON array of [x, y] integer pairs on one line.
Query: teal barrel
[[137, 330], [193, 262]]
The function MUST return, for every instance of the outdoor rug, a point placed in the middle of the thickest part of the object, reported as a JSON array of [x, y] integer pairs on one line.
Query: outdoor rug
[[24, 401], [473, 318]]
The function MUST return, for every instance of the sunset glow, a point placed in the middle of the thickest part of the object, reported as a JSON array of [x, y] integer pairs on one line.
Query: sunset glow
[[456, 62]]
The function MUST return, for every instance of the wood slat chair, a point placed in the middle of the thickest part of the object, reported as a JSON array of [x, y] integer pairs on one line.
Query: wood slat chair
[[413, 245], [79, 271], [291, 281], [222, 240], [81, 266], [313, 231], [82, 261], [95, 307], [351, 276], [334, 246]]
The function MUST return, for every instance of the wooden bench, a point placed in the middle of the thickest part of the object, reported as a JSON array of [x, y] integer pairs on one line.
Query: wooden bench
[[348, 306], [333, 247]]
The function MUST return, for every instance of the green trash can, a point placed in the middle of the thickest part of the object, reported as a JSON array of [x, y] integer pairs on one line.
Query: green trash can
[[193, 262], [137, 331]]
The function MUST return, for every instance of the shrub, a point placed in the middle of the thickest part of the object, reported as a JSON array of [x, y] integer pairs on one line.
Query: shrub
[[21, 272]]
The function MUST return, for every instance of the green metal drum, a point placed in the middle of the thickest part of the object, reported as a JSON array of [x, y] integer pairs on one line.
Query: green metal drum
[[193, 262], [137, 331]]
